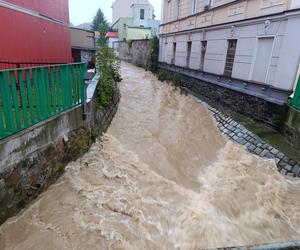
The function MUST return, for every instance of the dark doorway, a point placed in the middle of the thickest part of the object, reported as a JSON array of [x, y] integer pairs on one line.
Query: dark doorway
[[230, 57], [202, 56], [174, 54], [188, 57]]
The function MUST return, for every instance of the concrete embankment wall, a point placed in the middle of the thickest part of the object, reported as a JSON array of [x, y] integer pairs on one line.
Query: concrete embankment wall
[[34, 158], [135, 51], [214, 93]]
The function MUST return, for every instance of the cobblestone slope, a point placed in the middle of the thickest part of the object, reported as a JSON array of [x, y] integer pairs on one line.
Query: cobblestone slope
[[241, 135]]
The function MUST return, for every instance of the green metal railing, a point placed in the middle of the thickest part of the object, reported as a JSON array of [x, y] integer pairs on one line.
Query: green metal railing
[[31, 95], [296, 99]]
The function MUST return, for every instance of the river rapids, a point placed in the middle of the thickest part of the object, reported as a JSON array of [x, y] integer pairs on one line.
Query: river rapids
[[162, 177]]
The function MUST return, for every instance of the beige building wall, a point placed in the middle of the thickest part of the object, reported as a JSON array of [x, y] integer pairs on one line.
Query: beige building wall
[[266, 33], [179, 14], [82, 38]]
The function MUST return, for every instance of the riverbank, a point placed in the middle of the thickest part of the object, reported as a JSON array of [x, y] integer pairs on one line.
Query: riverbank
[[35, 158], [258, 138], [254, 144], [161, 177]]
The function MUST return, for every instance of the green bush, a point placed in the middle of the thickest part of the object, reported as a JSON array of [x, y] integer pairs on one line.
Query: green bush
[[109, 67], [79, 144], [96, 131], [106, 91]]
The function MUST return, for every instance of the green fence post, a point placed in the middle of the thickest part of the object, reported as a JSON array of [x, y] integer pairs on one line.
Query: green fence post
[[73, 85], [7, 103], [1, 116], [23, 98], [296, 99], [36, 93], [82, 83], [77, 81], [15, 99], [58, 88], [63, 87], [42, 89], [1, 122], [69, 86], [47, 87], [53, 91], [30, 96]]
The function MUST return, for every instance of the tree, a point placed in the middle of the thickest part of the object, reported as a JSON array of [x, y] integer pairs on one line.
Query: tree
[[100, 24], [154, 54]]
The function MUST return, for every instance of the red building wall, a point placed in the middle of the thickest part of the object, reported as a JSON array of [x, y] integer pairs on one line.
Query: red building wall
[[30, 40]]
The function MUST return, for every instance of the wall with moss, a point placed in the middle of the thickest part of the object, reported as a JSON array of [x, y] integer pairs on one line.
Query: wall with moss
[[135, 51]]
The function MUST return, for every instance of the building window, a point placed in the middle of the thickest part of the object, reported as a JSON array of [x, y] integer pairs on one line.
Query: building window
[[203, 52], [188, 57], [174, 54], [177, 12], [142, 14], [230, 57], [208, 4], [194, 6]]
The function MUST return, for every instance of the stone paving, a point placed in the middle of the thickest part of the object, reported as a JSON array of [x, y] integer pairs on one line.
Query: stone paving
[[241, 135]]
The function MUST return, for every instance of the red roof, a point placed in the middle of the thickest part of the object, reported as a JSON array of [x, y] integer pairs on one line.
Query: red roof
[[112, 34]]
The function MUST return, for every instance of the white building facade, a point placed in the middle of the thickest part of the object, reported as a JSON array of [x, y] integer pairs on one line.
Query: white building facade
[[255, 42], [136, 16], [123, 8]]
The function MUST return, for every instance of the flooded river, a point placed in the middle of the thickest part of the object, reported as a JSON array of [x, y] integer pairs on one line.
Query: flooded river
[[163, 177]]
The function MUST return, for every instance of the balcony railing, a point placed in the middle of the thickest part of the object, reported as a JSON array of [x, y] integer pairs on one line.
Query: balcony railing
[[31, 95]]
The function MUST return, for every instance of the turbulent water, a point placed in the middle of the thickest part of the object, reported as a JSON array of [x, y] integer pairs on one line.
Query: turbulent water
[[163, 177]]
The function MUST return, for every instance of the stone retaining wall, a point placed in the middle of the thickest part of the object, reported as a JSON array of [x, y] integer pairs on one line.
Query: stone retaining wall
[[135, 51], [35, 158], [226, 98]]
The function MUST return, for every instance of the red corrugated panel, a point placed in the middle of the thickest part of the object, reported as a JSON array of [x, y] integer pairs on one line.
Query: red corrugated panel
[[25, 38], [58, 9]]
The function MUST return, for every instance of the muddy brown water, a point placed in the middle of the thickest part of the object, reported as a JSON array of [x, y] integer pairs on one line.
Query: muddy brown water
[[163, 177]]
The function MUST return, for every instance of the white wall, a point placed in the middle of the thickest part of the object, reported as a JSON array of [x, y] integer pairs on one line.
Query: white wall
[[148, 14], [111, 41], [295, 3], [285, 55], [122, 8]]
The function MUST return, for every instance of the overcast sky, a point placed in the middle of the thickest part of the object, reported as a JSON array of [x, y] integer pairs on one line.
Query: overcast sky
[[83, 11]]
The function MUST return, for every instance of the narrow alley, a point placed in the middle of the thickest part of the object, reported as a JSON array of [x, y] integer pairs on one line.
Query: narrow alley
[[162, 177]]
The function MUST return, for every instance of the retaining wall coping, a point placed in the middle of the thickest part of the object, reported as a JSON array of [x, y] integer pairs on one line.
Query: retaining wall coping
[[91, 88]]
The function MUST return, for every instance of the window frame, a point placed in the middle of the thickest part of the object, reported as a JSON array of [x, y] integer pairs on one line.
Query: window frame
[[194, 6], [142, 14]]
